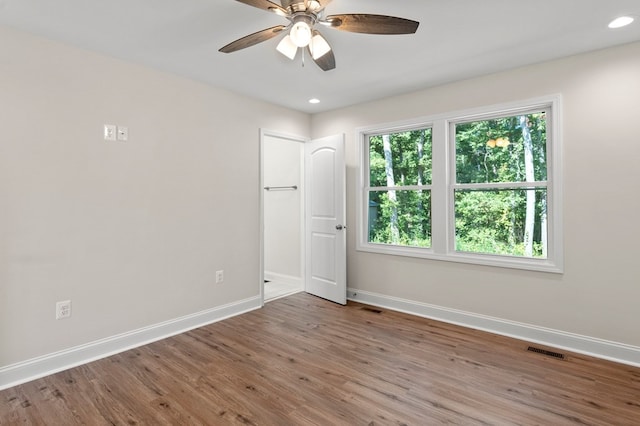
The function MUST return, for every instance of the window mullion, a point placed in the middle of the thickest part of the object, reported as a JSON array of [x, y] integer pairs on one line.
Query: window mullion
[[362, 193], [439, 192]]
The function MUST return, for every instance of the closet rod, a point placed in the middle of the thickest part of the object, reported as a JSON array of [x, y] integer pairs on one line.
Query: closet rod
[[281, 188]]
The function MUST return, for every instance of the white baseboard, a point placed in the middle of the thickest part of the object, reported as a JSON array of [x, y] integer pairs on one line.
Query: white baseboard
[[23, 372], [604, 349], [290, 279]]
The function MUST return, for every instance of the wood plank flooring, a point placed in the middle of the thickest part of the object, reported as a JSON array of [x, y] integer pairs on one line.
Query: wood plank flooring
[[305, 361]]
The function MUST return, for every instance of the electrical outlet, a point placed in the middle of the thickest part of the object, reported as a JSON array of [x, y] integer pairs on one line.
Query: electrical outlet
[[63, 309], [219, 277], [123, 133]]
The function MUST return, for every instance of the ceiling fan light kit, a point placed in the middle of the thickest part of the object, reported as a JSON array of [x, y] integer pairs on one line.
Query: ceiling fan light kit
[[303, 15], [300, 32], [319, 46], [287, 47]]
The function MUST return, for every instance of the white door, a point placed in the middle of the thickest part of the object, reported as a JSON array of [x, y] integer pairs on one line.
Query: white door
[[326, 261]]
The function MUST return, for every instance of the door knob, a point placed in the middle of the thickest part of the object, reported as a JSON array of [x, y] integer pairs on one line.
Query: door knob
[[340, 227]]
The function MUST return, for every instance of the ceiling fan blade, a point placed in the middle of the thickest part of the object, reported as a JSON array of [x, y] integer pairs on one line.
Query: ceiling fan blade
[[321, 52], [252, 39], [265, 5], [371, 24]]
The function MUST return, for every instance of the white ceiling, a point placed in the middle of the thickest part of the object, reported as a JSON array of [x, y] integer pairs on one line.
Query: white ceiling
[[457, 39]]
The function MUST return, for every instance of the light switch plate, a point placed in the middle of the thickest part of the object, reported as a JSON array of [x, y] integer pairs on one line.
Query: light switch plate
[[109, 132]]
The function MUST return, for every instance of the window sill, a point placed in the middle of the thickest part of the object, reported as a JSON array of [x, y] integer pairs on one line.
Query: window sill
[[512, 262]]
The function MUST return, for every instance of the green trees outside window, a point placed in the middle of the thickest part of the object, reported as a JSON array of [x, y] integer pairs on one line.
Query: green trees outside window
[[400, 188], [500, 189], [481, 186]]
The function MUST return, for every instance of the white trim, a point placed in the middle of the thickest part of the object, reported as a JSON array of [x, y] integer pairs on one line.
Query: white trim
[[442, 186], [500, 261], [297, 284], [36, 368], [261, 278], [289, 279], [591, 346]]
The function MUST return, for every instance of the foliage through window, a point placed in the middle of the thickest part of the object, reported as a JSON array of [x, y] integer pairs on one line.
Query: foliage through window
[[500, 192], [399, 202], [472, 187]]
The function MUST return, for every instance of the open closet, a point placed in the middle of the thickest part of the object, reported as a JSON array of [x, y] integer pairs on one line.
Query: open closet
[[283, 200]]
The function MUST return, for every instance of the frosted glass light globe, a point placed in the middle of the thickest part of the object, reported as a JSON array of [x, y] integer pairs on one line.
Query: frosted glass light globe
[[300, 34]]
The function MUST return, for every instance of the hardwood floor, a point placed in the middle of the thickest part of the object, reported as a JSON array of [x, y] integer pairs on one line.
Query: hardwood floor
[[305, 361]]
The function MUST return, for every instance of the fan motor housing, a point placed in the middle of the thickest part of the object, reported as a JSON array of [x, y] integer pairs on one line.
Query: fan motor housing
[[294, 6], [308, 18]]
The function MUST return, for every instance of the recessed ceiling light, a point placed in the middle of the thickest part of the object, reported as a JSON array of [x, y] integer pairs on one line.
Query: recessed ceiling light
[[314, 101], [620, 22]]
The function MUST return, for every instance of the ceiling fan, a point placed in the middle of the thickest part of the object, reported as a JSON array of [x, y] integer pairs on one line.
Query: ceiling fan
[[303, 15]]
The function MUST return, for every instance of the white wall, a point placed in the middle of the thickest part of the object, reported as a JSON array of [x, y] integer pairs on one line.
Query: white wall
[[282, 166], [132, 233], [598, 294]]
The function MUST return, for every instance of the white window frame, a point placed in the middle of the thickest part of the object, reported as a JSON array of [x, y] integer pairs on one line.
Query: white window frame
[[444, 182]]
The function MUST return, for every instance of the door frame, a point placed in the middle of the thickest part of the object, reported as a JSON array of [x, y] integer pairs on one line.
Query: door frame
[[293, 138]]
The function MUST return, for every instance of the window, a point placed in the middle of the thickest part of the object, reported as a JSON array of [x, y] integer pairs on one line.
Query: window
[[500, 192], [399, 193], [479, 186]]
